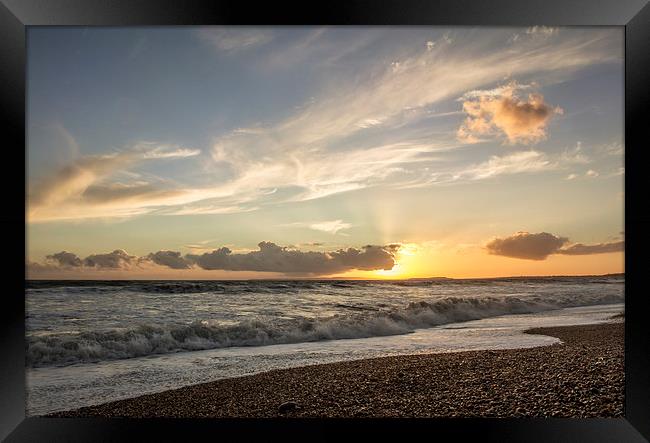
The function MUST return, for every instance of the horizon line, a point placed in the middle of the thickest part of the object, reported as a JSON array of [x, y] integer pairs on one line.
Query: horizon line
[[332, 278]]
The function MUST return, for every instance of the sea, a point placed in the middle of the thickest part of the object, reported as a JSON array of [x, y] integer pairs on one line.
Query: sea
[[89, 342]]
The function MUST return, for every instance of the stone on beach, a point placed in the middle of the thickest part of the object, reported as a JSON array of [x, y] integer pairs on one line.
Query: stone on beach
[[287, 407], [581, 377]]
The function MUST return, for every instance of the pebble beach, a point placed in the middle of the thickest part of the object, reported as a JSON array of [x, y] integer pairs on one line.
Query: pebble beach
[[583, 376]]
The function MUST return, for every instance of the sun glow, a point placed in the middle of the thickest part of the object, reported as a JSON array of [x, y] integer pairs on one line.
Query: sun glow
[[397, 272]]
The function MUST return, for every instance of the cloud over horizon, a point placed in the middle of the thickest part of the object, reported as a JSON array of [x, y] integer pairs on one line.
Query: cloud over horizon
[[268, 258], [527, 246], [65, 259], [273, 258], [118, 259], [171, 259], [600, 248]]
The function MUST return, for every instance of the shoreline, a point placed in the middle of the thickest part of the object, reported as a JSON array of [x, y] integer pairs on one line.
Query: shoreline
[[581, 377]]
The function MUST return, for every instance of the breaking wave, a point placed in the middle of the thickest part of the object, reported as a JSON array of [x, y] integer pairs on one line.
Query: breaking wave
[[143, 340]]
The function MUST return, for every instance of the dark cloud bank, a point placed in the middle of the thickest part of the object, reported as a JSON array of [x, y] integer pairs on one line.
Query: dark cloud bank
[[269, 258], [539, 246]]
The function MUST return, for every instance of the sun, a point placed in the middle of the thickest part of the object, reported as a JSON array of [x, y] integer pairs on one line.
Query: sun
[[406, 259], [396, 272]]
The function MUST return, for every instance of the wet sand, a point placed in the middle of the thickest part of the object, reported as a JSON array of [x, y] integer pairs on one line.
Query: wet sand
[[581, 377]]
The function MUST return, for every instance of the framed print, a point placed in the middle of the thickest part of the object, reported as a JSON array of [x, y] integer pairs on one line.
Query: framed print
[[370, 219]]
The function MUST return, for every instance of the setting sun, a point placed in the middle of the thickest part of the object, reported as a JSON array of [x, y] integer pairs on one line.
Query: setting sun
[[244, 203]]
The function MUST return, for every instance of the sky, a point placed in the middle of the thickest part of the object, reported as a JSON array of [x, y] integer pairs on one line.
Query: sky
[[313, 152]]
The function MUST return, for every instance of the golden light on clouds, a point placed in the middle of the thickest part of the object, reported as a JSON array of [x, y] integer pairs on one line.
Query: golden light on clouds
[[436, 140], [502, 111]]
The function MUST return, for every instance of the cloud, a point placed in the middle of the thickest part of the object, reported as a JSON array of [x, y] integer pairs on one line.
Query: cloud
[[78, 190], [534, 33], [75, 178], [615, 149], [300, 150], [525, 245], [114, 192], [317, 49], [171, 259], [63, 139], [501, 111], [497, 92], [234, 39], [591, 173], [600, 248], [618, 172], [161, 152], [117, 259], [574, 156], [369, 123], [268, 258], [331, 227], [515, 163], [320, 149], [544, 31], [520, 162], [273, 258], [208, 209], [65, 259]]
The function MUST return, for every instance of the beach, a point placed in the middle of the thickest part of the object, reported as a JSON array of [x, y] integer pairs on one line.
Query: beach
[[583, 376]]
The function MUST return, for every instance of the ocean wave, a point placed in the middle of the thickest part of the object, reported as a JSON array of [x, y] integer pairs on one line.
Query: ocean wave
[[172, 286], [65, 349], [290, 286]]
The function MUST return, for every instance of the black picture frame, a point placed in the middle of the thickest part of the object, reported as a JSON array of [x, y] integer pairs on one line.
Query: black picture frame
[[634, 15]]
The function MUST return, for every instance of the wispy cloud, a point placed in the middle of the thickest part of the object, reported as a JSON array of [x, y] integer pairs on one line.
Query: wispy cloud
[[75, 178], [234, 39], [164, 152], [515, 163], [600, 248], [321, 148], [206, 210], [614, 149], [331, 226], [545, 31], [75, 190], [534, 33], [620, 171], [575, 155], [319, 47], [519, 162], [297, 151]]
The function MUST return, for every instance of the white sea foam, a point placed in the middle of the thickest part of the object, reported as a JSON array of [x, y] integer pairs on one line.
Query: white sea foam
[[353, 319], [56, 388]]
